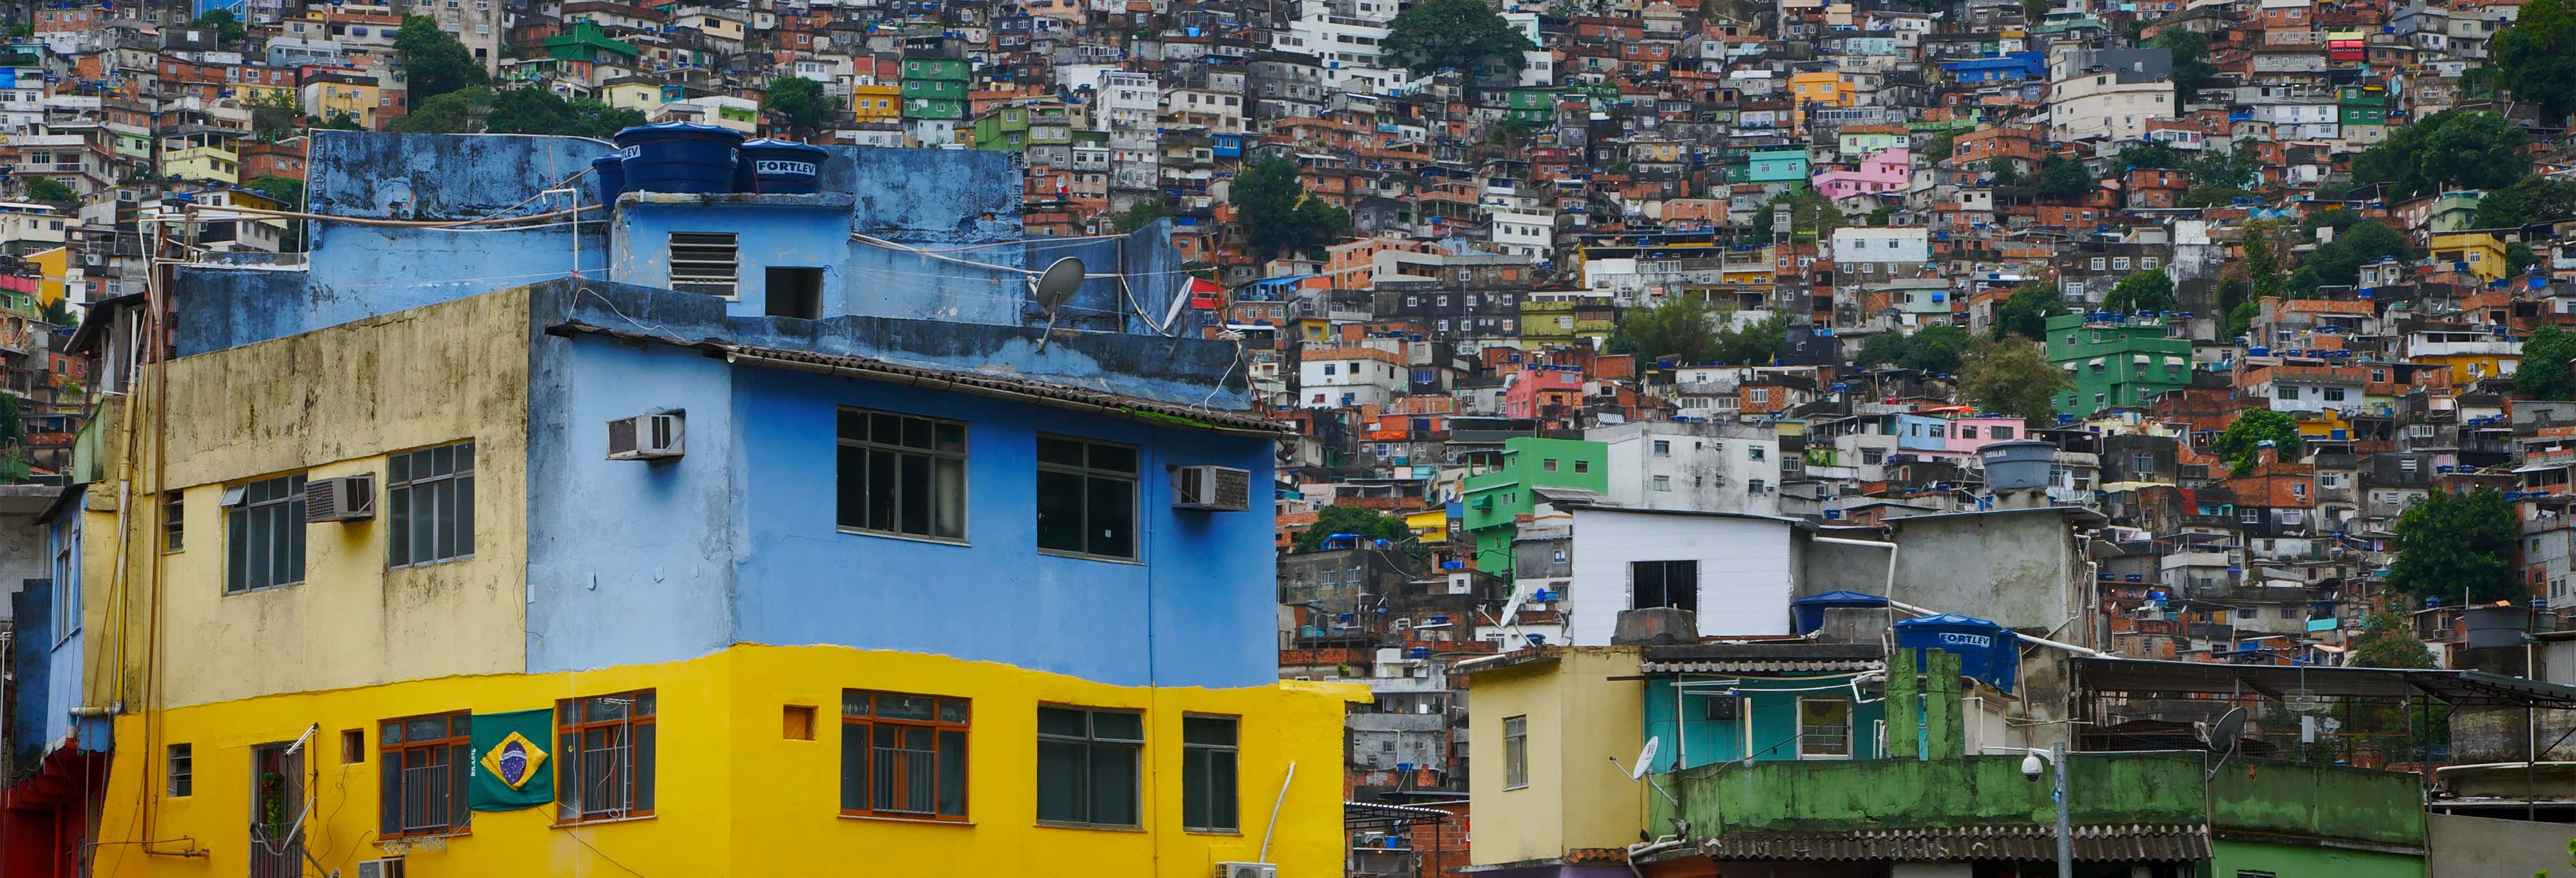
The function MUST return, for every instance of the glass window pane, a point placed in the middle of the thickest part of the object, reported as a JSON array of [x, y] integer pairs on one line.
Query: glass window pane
[[464, 458], [1061, 721], [1194, 789], [390, 734], [237, 551], [854, 765], [1215, 730], [1116, 458], [428, 729], [460, 725], [1060, 512], [1063, 451], [263, 549], [293, 527], [643, 766], [1221, 792], [885, 428], [389, 803], [915, 502], [1115, 726], [881, 490], [1113, 784], [605, 707], [893, 706], [916, 433], [1112, 517], [1060, 774], [464, 515], [644, 702], [442, 461], [952, 710], [952, 773], [398, 526], [854, 704], [853, 489], [951, 437], [854, 425], [948, 505], [398, 469], [446, 536]]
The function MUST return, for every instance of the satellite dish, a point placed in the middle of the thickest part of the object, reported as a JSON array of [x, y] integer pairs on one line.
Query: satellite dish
[[1054, 287], [2222, 737], [1645, 757]]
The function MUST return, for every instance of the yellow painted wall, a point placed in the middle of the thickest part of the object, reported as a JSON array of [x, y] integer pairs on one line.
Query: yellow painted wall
[[735, 798], [1432, 527], [427, 377], [1578, 721], [54, 266], [2466, 368]]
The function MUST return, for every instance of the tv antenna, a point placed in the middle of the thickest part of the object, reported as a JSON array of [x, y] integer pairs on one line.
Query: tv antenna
[[2223, 737], [1054, 287]]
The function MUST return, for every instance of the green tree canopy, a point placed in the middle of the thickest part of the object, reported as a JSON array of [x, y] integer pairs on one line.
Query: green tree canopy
[[1277, 216], [2151, 154], [1434, 35], [2234, 169], [272, 118], [1140, 214], [2013, 376], [1810, 215], [222, 22], [1937, 349], [50, 191], [2146, 291], [1680, 328], [538, 111], [2543, 373], [2535, 58], [2532, 199], [2241, 444], [2001, 172], [2455, 544], [801, 104], [2062, 177], [2338, 262], [1752, 344], [1941, 146], [2384, 642], [2025, 313], [434, 63], [2191, 65], [2451, 149], [1368, 524], [456, 112]]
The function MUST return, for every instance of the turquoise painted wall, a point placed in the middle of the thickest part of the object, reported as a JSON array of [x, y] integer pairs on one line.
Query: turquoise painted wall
[[1768, 706]]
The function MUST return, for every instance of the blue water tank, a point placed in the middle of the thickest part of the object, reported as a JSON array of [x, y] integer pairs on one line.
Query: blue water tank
[[679, 157], [611, 171], [778, 167]]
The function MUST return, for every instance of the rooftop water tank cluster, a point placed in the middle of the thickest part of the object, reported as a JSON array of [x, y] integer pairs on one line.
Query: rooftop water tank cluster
[[704, 159]]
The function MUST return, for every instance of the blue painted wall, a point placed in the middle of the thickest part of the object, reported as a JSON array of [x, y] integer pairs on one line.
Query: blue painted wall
[[32, 652], [1769, 706]]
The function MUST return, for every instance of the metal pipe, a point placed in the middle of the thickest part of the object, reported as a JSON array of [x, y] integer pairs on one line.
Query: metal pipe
[[2065, 817], [1274, 812]]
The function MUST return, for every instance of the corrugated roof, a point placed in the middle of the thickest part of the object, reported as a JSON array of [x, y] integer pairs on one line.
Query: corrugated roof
[[978, 383], [1758, 666], [2168, 842]]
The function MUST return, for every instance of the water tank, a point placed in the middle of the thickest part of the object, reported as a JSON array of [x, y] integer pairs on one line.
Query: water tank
[[778, 167], [2017, 465], [679, 157], [1809, 612], [2497, 627], [611, 171]]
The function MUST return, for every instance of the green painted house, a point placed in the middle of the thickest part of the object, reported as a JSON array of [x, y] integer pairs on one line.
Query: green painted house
[[1495, 501], [936, 88], [1777, 166], [2116, 363]]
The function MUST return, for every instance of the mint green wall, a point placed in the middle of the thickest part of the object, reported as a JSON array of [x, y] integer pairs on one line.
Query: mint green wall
[[2302, 861], [1767, 704], [1492, 502]]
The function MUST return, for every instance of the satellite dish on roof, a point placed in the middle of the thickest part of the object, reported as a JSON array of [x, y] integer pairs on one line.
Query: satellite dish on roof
[[1054, 287], [2223, 736], [1645, 758]]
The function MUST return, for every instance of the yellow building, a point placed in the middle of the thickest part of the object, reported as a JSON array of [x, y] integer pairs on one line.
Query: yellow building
[[326, 96], [1824, 87], [635, 94], [1544, 725], [54, 267], [1430, 528], [2477, 253], [876, 103], [200, 153]]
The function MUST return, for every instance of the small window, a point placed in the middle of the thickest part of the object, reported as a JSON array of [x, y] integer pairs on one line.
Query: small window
[[1824, 728], [1754, 452], [903, 755], [1672, 584], [182, 770], [264, 534], [429, 503], [795, 292], [901, 475], [353, 746], [1086, 498], [704, 262], [426, 762], [1087, 765], [1663, 483], [796, 722], [604, 755], [2334, 394], [1547, 465], [1663, 448], [1515, 752], [174, 521], [1208, 799], [1583, 466]]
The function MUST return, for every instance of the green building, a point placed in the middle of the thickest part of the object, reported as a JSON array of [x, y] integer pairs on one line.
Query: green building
[[2362, 104], [1533, 104], [1495, 501], [1005, 128], [587, 42], [1777, 166], [935, 88], [2116, 362]]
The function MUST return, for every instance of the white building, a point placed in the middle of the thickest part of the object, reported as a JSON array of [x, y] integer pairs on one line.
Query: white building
[[1859, 244], [1345, 377], [1702, 467], [1734, 572]]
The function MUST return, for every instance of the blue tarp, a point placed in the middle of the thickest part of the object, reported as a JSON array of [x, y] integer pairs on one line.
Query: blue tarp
[[1810, 611], [1986, 650]]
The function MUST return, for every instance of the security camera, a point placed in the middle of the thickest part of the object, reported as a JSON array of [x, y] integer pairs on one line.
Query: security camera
[[2031, 767]]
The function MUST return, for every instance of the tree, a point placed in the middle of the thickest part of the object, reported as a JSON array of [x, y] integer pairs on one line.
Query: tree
[[2191, 65], [2543, 374], [1753, 344], [2146, 291], [1681, 328], [2451, 149], [434, 63], [1140, 214], [456, 112], [1941, 146], [2013, 376], [221, 21], [2532, 199], [2451, 545], [1367, 524], [272, 118], [2151, 154], [800, 103], [1434, 35], [2001, 172], [2338, 262], [1277, 216], [2519, 258], [2384, 642], [2535, 58], [2025, 313], [2062, 177], [1936, 349], [343, 122], [2233, 169], [2241, 444], [1810, 215], [290, 192], [2236, 308], [538, 111], [50, 191]]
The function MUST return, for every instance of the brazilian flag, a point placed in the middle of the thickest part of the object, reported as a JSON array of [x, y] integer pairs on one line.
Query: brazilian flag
[[512, 768]]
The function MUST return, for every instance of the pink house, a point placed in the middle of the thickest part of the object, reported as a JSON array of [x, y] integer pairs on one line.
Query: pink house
[[1977, 431], [1884, 172], [1529, 392]]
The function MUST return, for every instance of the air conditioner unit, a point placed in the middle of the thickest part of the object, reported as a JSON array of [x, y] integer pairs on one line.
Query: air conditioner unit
[[1214, 488], [389, 867], [340, 498], [1246, 870], [645, 437]]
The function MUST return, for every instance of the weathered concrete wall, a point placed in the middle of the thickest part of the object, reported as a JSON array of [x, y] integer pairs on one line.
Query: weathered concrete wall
[[1578, 719], [2322, 801], [2015, 568], [2481, 847]]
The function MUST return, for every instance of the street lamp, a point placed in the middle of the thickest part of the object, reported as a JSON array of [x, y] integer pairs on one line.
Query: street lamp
[[2055, 757]]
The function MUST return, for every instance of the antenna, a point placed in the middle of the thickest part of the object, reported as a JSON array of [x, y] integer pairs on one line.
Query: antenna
[[1054, 287], [2223, 737], [1645, 759]]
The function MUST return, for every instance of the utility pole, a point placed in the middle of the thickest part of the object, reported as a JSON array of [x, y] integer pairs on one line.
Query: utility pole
[[2065, 821]]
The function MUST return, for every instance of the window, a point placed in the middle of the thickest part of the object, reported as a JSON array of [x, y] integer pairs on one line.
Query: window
[[1999, 432], [1208, 800], [794, 292], [1087, 761], [1547, 465], [264, 533], [1086, 497], [1759, 394], [604, 747], [1663, 448], [426, 761], [2406, 464], [353, 746], [1328, 369], [1824, 728], [429, 498], [1515, 752], [1872, 456], [2250, 515], [1753, 452], [1672, 584], [2299, 489], [2141, 463], [1755, 486], [1583, 466], [1663, 483], [903, 755], [902, 475], [2334, 394], [182, 770], [174, 520], [704, 262]]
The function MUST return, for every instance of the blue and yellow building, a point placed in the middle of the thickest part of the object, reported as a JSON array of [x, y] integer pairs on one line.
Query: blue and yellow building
[[889, 573]]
